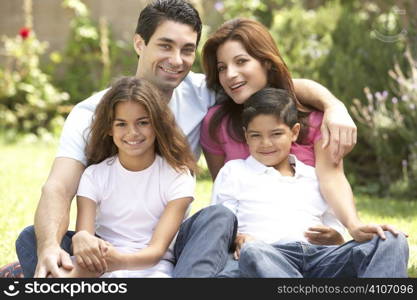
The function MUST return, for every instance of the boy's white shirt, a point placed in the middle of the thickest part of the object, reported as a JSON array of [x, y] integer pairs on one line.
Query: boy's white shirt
[[269, 206], [189, 103]]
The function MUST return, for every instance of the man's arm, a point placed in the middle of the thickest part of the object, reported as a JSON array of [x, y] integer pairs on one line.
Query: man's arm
[[338, 129], [52, 215]]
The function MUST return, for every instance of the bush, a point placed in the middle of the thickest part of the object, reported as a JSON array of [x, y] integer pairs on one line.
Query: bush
[[92, 56], [29, 103], [388, 124]]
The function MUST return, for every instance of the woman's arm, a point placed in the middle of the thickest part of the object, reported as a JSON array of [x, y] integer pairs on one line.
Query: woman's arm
[[338, 129], [214, 163], [337, 191], [334, 186], [165, 231]]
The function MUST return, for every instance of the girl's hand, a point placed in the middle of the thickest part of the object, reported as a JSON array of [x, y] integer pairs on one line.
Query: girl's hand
[[323, 235], [115, 259], [239, 241], [88, 251], [364, 232]]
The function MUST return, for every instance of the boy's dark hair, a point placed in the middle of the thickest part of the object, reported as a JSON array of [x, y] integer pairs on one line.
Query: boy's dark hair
[[161, 10], [270, 101]]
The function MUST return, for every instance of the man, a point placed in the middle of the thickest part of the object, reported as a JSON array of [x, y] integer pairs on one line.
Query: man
[[167, 35]]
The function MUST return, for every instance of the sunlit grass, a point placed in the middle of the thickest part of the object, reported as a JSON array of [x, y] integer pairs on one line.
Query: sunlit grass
[[24, 168]]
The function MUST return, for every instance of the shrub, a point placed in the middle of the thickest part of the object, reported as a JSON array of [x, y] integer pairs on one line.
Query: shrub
[[29, 103], [388, 124], [92, 56]]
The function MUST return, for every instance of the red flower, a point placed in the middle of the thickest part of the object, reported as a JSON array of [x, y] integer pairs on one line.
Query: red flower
[[24, 32]]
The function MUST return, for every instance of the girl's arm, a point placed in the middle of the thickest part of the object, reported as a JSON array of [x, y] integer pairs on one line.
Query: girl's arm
[[338, 129], [214, 163], [167, 227], [87, 248]]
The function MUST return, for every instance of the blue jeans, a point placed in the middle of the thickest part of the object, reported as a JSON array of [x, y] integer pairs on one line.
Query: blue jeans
[[201, 249], [375, 258]]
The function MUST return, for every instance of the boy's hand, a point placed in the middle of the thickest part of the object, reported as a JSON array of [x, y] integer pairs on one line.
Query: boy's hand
[[239, 241], [364, 232], [323, 235], [89, 251]]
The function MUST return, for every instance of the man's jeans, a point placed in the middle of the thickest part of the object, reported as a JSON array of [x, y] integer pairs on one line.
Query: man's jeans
[[201, 249], [375, 258]]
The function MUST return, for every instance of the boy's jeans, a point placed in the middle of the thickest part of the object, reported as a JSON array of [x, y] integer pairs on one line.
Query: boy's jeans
[[201, 248], [375, 258]]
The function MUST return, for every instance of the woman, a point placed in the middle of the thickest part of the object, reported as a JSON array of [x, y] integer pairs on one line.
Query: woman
[[239, 59]]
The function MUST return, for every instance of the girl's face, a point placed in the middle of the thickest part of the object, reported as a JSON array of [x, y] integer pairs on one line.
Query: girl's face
[[240, 74], [133, 135], [270, 140]]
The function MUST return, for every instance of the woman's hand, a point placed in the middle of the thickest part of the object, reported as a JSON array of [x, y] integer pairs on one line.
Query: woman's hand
[[239, 241], [88, 251], [339, 131], [323, 235]]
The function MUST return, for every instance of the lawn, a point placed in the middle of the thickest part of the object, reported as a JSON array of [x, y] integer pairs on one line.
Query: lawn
[[25, 166]]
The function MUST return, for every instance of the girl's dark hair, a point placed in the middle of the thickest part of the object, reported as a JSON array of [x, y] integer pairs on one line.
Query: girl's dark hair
[[259, 43], [270, 101], [170, 142]]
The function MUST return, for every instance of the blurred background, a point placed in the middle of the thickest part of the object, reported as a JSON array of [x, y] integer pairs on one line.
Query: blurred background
[[56, 53]]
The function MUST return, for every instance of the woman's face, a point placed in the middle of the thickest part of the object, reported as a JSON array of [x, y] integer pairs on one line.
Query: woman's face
[[240, 74]]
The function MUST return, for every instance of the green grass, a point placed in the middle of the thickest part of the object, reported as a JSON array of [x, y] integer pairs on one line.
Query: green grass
[[25, 166]]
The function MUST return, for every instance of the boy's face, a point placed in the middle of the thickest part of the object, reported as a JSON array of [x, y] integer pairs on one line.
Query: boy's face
[[270, 140], [168, 56]]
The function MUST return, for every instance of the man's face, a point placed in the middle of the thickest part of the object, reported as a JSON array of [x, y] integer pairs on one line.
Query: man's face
[[168, 56]]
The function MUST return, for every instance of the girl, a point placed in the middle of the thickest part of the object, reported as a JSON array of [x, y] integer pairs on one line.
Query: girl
[[134, 195], [239, 59]]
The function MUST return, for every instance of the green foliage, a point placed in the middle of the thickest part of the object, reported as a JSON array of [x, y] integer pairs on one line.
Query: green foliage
[[261, 10], [358, 56], [388, 124], [29, 103], [304, 37], [92, 56]]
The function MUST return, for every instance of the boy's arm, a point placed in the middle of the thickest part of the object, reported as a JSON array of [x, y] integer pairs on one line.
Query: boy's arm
[[338, 129], [224, 189], [52, 215]]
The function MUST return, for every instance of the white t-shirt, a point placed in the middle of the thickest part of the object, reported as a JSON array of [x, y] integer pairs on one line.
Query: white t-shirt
[[129, 204], [269, 206], [189, 103]]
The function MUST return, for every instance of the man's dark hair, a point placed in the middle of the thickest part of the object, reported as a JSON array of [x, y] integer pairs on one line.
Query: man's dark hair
[[161, 10]]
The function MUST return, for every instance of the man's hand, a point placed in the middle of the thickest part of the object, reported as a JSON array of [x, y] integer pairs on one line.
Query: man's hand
[[323, 235], [89, 251], [50, 260], [239, 241], [339, 131], [364, 232]]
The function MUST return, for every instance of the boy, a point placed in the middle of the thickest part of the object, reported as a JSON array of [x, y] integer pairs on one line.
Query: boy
[[276, 198]]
